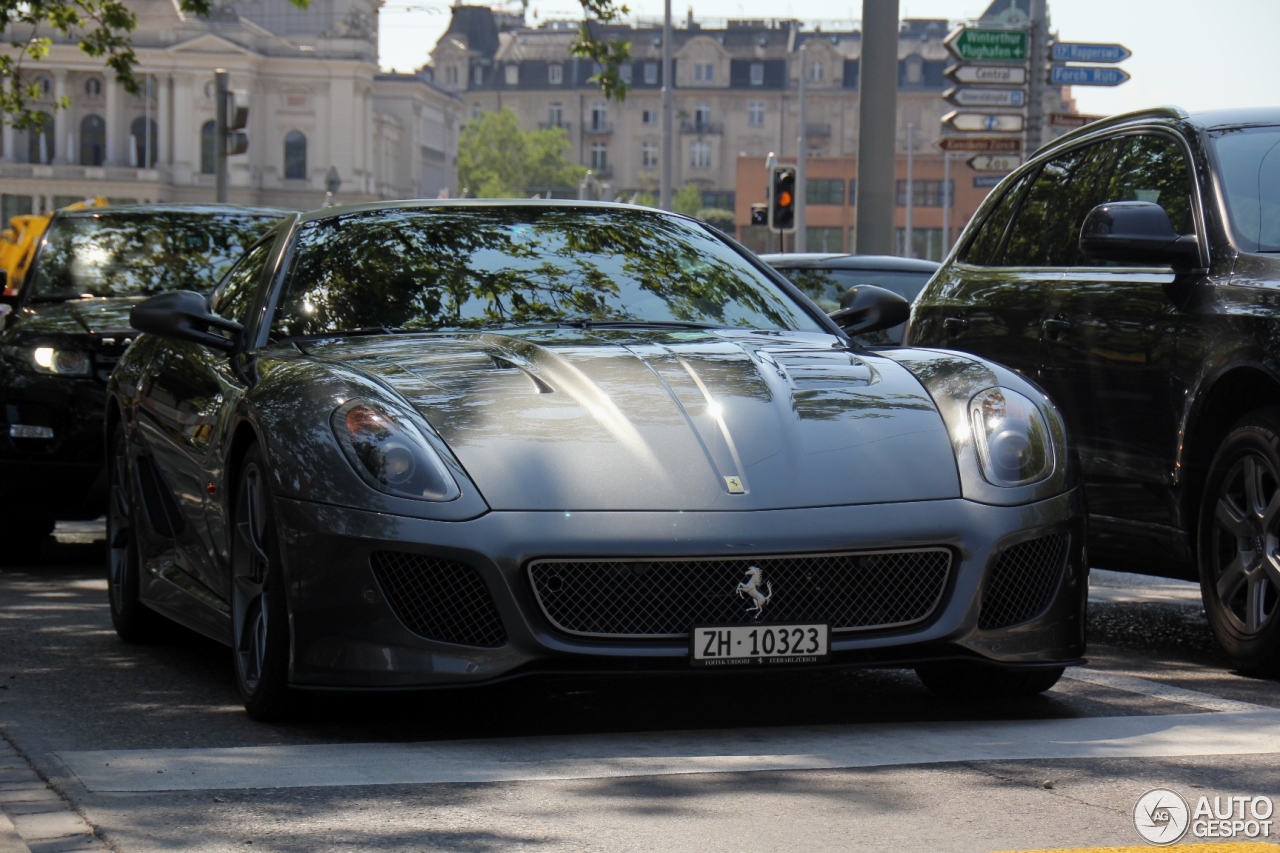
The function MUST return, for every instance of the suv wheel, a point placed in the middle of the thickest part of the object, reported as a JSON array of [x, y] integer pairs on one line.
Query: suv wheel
[[1239, 543]]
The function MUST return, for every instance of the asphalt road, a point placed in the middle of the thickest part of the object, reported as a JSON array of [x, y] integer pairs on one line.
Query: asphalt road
[[108, 746]]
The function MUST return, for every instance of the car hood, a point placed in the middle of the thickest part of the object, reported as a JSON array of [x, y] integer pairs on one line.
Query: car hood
[[571, 419], [81, 316]]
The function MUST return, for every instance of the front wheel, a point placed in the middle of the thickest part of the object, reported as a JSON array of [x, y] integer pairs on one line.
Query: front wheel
[[1239, 543], [967, 681], [260, 619]]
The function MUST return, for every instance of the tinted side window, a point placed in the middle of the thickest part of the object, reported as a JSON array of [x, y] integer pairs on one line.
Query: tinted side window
[[235, 296], [984, 245], [1153, 168], [1046, 230]]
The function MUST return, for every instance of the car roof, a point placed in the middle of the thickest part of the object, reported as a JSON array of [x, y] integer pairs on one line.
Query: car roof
[[410, 204], [832, 260], [209, 209], [1203, 119]]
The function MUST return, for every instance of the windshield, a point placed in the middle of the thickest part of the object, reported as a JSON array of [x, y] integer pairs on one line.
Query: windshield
[[141, 253], [494, 267], [1249, 163]]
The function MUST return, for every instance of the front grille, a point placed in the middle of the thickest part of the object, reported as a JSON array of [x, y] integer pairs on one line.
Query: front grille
[[667, 597], [439, 599], [1023, 581]]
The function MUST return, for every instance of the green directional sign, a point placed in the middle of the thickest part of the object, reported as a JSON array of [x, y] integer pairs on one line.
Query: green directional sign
[[972, 44]]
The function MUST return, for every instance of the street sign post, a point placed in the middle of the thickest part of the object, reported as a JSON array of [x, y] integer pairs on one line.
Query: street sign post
[[999, 75], [972, 43], [1070, 120], [995, 162], [985, 122], [1085, 75], [1065, 51], [993, 144], [964, 96]]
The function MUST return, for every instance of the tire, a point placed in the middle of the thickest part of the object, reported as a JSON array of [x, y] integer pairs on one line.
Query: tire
[[259, 612], [134, 621], [965, 681], [1238, 543], [21, 539]]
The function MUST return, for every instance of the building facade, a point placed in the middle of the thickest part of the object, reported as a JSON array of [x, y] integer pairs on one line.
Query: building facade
[[317, 102]]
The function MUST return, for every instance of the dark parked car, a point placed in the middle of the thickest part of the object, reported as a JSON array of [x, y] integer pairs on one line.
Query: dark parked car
[[825, 277], [1132, 270], [67, 328], [445, 443]]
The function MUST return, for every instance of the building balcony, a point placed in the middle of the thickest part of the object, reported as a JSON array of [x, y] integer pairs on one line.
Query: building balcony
[[65, 172], [820, 131], [598, 128], [605, 171], [547, 125], [701, 127]]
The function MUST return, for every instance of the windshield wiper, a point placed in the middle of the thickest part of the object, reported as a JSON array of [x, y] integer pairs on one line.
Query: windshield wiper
[[593, 323]]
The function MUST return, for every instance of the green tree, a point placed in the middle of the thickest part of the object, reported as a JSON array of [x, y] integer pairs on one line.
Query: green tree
[[688, 200], [496, 159], [646, 199]]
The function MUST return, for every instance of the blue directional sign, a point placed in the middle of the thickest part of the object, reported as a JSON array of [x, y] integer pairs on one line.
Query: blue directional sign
[[1066, 51], [1084, 75]]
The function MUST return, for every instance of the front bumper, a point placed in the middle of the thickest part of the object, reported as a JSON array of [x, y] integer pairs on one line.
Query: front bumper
[[345, 634]]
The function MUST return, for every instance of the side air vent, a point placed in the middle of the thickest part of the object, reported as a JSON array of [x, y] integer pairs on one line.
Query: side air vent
[[158, 501], [1023, 581], [439, 599]]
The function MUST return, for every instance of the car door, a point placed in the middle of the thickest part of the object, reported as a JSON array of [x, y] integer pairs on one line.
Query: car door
[[181, 408], [1110, 355]]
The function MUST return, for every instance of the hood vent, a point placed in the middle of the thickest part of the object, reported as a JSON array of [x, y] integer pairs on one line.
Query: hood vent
[[821, 370], [503, 363]]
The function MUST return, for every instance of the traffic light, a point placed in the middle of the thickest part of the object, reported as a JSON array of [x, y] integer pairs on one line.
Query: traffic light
[[782, 199], [237, 120], [759, 214]]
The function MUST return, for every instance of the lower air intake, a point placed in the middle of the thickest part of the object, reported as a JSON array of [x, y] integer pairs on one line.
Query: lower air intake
[[439, 599], [1023, 581]]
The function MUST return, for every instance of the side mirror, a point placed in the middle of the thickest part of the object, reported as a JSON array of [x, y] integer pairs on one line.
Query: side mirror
[[185, 316], [867, 308], [1136, 232]]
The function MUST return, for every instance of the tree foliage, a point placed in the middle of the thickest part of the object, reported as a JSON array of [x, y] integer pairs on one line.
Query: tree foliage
[[687, 200], [609, 56], [497, 159]]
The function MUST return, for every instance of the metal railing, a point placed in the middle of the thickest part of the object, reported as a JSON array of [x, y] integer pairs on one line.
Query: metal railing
[[701, 127]]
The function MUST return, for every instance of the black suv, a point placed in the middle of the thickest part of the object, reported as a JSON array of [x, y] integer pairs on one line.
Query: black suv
[[1132, 269], [68, 327]]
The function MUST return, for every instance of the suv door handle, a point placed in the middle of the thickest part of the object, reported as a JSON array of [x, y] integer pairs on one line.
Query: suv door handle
[[955, 325], [1056, 325]]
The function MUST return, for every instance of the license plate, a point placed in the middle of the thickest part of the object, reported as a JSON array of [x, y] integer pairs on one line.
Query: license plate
[[742, 645]]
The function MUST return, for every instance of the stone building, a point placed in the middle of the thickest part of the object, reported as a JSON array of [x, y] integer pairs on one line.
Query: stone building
[[317, 101]]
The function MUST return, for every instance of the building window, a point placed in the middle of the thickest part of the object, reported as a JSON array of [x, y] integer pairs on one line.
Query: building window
[[701, 155], [599, 117], [824, 191], [40, 147], [913, 70], [704, 72], [46, 87], [923, 193], [926, 243], [600, 158], [93, 141], [511, 74], [853, 191], [477, 76], [451, 75], [650, 117], [721, 199], [625, 73], [757, 74], [295, 156], [93, 87], [649, 155], [555, 115], [651, 73], [555, 74], [477, 110], [755, 113], [702, 115], [143, 138], [207, 132], [817, 71], [824, 239], [13, 205]]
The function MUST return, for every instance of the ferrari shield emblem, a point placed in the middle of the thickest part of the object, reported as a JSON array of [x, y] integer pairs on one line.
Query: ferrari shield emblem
[[734, 485]]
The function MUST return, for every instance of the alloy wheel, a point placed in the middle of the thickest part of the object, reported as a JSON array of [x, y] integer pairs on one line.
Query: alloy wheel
[[1246, 545]]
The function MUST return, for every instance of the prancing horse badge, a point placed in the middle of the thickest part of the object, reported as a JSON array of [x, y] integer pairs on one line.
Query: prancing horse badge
[[734, 485]]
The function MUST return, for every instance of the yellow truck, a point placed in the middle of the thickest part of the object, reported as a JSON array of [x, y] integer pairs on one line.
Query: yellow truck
[[19, 239]]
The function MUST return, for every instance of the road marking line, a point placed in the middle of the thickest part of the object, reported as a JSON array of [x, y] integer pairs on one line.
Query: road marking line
[[1156, 690], [667, 753]]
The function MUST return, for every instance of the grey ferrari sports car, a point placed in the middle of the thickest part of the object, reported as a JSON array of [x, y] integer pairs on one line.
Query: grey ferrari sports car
[[446, 443]]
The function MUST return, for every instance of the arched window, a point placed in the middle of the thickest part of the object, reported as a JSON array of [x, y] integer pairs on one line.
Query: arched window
[[93, 87], [93, 141], [295, 156], [143, 134], [40, 147], [207, 132]]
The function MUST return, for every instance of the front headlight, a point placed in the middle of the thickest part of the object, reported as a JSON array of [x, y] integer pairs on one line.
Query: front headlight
[[391, 455], [63, 362], [1013, 443]]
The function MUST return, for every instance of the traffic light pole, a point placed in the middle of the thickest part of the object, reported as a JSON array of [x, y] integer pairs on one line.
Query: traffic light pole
[[799, 243], [222, 92]]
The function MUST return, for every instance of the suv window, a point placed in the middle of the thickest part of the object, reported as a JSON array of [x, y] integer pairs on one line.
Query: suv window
[[1153, 168], [984, 245], [1046, 229], [235, 296]]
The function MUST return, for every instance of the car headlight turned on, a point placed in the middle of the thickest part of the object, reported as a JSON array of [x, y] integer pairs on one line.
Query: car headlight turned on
[[63, 362], [1013, 442], [390, 455]]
